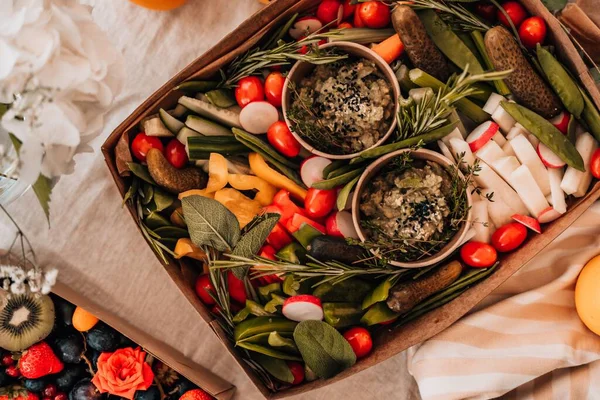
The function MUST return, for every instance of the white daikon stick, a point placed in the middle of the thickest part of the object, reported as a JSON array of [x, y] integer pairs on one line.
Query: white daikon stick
[[487, 178], [490, 152], [577, 182], [526, 186], [505, 166], [528, 156], [557, 195], [481, 221]]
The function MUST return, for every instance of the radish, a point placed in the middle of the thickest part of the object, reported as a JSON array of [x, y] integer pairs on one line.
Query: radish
[[549, 214], [305, 26], [499, 212], [311, 169], [528, 156], [462, 149], [339, 223], [577, 182], [481, 222], [517, 130], [508, 150], [303, 307], [503, 119], [481, 135], [561, 122], [487, 178], [557, 196], [548, 157], [258, 116], [529, 222], [455, 134], [505, 166], [526, 186], [493, 102], [490, 153], [330, 11], [499, 138], [445, 150]]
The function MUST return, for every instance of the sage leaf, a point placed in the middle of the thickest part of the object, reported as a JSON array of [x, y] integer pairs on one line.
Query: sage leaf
[[276, 367], [141, 171], [210, 223], [132, 190], [554, 5], [253, 240], [147, 193], [323, 348], [162, 199]]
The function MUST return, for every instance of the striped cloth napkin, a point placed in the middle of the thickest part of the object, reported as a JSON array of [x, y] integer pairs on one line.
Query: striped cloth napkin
[[525, 341]]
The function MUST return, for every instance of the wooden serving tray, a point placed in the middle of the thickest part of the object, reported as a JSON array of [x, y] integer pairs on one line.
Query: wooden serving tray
[[387, 342]]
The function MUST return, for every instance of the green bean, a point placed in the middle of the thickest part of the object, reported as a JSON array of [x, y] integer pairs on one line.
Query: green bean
[[500, 85], [332, 167], [591, 116], [342, 198], [546, 133], [562, 83], [338, 180], [265, 148], [340, 171], [196, 86]]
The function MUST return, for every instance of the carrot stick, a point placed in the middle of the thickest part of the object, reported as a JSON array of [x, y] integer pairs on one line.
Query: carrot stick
[[390, 49]]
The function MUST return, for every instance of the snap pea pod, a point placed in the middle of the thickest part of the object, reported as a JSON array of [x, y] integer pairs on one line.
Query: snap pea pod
[[572, 130], [338, 180], [340, 171], [268, 351], [259, 325], [332, 167], [591, 116], [560, 80], [449, 43], [426, 138], [285, 344], [343, 195], [263, 338], [501, 87], [546, 133], [262, 148]]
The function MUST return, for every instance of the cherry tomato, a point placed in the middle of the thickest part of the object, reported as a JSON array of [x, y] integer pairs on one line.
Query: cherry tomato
[[515, 11], [329, 11], [595, 164], [374, 14], [508, 237], [203, 287], [274, 88], [176, 154], [318, 203], [142, 143], [358, 22], [281, 138], [532, 31], [348, 10], [249, 89], [345, 25], [304, 49], [486, 10], [237, 290], [360, 340], [297, 371], [478, 254]]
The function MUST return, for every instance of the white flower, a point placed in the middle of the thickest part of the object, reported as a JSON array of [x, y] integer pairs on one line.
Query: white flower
[[61, 75]]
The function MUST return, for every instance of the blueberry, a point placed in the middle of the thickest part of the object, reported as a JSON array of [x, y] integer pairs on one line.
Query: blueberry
[[184, 386], [102, 338], [84, 390], [69, 376], [94, 358], [64, 310], [151, 394], [35, 385], [124, 341], [69, 348]]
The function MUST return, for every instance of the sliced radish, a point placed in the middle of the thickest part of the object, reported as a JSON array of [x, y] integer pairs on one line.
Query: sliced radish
[[445, 150], [528, 156], [533, 140], [487, 178], [499, 212], [576, 182], [499, 138], [462, 149], [303, 307], [517, 130], [490, 152], [481, 222], [493, 102], [548, 215], [548, 157], [503, 119], [311, 169], [508, 150], [455, 134], [330, 11], [529, 222], [481, 135], [526, 186], [561, 122], [505, 166], [305, 26], [557, 196], [340, 224], [258, 116]]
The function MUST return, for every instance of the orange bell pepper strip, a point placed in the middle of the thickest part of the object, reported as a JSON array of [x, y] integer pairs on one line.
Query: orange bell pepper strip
[[217, 172], [266, 191], [196, 192], [259, 166], [244, 208], [185, 248]]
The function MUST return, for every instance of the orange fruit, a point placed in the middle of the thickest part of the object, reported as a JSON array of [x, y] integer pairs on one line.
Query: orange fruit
[[587, 301], [159, 5], [82, 320]]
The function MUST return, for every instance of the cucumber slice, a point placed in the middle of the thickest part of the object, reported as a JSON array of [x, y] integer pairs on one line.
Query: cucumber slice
[[206, 127], [204, 108], [221, 98], [179, 111], [172, 123], [153, 126], [184, 134]]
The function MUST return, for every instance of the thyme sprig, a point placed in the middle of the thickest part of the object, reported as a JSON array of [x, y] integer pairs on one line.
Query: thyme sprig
[[453, 13]]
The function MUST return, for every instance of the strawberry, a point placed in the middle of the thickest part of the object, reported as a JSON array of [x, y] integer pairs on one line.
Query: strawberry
[[195, 394], [17, 393], [39, 360]]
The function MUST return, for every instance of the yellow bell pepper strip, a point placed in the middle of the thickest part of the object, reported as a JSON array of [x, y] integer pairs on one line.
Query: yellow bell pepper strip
[[196, 192], [217, 172], [185, 248], [266, 191], [259, 166], [244, 208]]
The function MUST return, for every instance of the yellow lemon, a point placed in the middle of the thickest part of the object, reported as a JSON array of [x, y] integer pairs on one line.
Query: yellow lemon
[[587, 295], [159, 5]]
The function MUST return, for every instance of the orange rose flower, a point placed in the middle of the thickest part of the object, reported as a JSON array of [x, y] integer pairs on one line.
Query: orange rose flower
[[123, 372]]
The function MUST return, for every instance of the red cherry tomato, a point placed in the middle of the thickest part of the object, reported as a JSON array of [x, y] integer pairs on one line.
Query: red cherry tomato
[[281, 138], [486, 10], [318, 203], [329, 11], [249, 89], [532, 31], [176, 154], [374, 14], [360, 340], [297, 371], [304, 49], [142, 143], [348, 10], [595, 164], [478, 254], [203, 287], [237, 290], [345, 25], [508, 237], [515, 11], [358, 22], [274, 88]]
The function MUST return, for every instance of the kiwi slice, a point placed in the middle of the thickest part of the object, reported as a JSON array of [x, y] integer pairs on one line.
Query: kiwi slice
[[25, 319]]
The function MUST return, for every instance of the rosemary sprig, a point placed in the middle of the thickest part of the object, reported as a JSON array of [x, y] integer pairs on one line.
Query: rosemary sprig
[[453, 13]]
